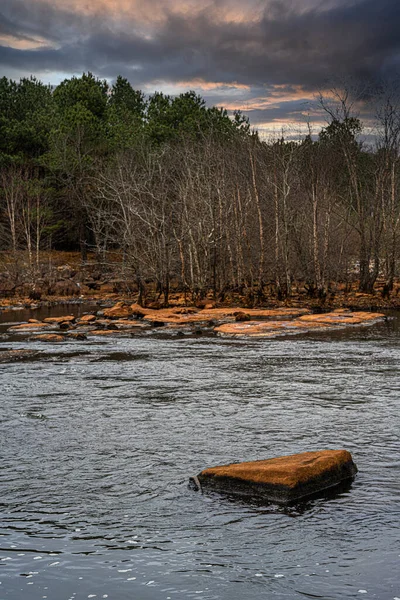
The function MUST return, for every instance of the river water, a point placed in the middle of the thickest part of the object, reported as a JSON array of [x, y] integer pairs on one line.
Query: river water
[[98, 440]]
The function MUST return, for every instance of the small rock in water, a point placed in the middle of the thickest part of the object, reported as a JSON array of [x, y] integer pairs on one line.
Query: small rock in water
[[282, 480], [48, 337]]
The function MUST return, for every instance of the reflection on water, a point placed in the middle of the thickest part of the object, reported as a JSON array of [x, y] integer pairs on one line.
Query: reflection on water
[[98, 440]]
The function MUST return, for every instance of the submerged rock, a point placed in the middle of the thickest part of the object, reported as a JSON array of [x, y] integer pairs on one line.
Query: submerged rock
[[76, 335], [106, 332], [281, 480], [12, 355]]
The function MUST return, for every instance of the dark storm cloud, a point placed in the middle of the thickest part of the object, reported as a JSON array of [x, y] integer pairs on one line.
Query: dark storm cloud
[[287, 44]]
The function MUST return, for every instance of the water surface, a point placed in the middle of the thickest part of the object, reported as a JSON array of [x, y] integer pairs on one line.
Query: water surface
[[98, 440]]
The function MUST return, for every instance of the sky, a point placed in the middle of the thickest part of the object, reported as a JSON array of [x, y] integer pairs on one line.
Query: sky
[[268, 58]]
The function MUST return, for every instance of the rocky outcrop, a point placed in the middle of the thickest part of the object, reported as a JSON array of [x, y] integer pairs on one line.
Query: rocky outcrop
[[171, 315], [302, 324], [281, 480], [87, 319], [48, 337], [58, 320], [224, 321], [120, 310], [342, 318]]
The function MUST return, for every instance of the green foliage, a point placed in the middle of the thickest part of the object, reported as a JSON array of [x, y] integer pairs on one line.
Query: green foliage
[[126, 114], [342, 133], [187, 114], [79, 128], [63, 135], [25, 119], [87, 92], [125, 99]]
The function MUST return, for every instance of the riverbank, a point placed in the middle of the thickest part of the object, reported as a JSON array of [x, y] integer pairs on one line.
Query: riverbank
[[61, 278], [349, 300]]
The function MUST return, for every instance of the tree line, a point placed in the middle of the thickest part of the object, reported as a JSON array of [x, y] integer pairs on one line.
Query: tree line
[[192, 199]]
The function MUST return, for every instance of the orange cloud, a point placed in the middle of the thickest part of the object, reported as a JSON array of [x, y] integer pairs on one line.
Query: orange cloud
[[156, 11], [21, 44], [275, 96], [211, 85]]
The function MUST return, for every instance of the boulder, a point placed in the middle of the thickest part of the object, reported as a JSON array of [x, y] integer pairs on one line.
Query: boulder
[[58, 320], [120, 310], [30, 327], [48, 337], [281, 480], [87, 319], [138, 311]]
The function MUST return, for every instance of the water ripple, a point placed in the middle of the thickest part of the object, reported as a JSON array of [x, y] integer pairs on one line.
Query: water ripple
[[97, 446]]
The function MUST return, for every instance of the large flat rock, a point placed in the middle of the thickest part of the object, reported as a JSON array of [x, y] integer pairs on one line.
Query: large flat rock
[[282, 480], [302, 324]]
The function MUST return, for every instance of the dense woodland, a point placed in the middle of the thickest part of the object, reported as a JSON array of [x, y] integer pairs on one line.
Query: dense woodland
[[180, 196]]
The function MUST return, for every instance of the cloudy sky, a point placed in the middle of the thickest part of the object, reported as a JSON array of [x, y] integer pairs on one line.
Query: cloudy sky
[[266, 57]]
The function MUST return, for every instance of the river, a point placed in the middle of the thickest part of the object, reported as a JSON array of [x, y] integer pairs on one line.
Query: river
[[98, 440]]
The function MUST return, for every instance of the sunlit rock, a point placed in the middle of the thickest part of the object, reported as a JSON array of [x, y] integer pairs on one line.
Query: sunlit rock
[[140, 311], [30, 327], [56, 320], [342, 318], [265, 328], [282, 480], [301, 324], [120, 310], [220, 314], [48, 337], [87, 319]]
